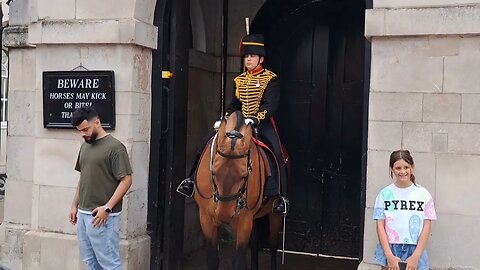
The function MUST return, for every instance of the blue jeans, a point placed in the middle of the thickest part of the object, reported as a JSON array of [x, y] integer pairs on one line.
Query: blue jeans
[[402, 251], [99, 247]]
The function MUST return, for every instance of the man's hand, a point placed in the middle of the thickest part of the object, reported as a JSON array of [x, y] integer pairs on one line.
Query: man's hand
[[73, 215], [100, 216]]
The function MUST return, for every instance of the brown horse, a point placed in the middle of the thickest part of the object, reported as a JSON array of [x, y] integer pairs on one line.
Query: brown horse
[[229, 190]]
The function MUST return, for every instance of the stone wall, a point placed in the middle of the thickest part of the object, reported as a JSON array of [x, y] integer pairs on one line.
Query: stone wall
[[425, 97], [62, 35]]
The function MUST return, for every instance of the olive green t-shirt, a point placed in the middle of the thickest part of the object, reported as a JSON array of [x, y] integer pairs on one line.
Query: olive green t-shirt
[[101, 165]]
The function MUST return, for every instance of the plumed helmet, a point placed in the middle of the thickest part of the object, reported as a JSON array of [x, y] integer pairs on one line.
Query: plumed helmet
[[253, 44]]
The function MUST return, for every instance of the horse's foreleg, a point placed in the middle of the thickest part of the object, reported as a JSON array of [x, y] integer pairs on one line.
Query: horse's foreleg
[[212, 254], [243, 231], [210, 231], [276, 224], [254, 247]]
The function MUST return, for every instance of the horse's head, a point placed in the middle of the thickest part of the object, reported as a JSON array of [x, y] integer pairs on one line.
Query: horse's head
[[231, 165], [233, 130]]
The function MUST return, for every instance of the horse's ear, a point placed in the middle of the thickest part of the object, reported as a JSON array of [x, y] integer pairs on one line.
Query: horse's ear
[[247, 133], [221, 129]]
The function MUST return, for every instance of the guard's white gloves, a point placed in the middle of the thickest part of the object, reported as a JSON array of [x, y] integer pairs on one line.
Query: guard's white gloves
[[216, 125], [249, 121]]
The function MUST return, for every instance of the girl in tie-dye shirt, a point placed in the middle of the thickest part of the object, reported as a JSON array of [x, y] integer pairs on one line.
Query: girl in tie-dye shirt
[[403, 211]]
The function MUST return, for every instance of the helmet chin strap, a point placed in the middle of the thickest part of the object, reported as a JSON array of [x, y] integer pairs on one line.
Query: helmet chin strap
[[258, 64]]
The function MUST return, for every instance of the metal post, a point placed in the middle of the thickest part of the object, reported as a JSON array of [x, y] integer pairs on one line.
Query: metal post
[[224, 56], [283, 239]]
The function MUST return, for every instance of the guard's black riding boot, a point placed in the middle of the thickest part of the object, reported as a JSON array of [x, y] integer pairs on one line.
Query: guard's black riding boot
[[186, 187], [281, 206]]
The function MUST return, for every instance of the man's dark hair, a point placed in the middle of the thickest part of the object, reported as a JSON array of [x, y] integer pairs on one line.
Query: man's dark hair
[[84, 113]]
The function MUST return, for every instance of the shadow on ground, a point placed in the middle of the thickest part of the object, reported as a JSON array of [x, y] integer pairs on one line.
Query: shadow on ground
[[197, 261]]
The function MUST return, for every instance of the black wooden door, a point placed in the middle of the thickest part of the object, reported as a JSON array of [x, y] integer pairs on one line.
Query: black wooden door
[[322, 71], [168, 135]]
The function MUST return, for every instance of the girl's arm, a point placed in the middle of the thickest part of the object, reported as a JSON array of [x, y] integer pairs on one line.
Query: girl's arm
[[392, 260], [421, 244]]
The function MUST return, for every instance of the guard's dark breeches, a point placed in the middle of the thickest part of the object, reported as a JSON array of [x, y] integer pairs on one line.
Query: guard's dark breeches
[[268, 135]]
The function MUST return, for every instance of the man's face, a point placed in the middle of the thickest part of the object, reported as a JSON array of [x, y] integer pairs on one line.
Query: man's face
[[88, 130]]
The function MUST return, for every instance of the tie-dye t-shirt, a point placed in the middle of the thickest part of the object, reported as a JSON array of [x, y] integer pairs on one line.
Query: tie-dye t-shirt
[[404, 210]]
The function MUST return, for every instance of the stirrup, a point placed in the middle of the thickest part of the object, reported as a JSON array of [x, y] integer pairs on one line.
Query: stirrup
[[283, 211], [186, 188]]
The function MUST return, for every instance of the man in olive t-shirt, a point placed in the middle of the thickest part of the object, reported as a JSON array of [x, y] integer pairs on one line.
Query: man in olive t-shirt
[[105, 177]]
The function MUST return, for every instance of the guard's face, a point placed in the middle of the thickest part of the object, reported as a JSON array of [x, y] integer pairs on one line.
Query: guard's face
[[88, 130], [251, 61]]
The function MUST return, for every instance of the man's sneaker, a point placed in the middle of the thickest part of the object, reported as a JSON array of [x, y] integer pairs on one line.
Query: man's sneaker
[[186, 187], [281, 206]]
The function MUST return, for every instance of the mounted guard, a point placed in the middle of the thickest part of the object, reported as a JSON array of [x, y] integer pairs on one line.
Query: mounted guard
[[257, 96]]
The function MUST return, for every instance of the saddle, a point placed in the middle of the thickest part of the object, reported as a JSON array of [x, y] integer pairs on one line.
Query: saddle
[[272, 167]]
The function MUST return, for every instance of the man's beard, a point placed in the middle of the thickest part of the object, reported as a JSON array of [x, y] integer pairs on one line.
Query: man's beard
[[91, 139]]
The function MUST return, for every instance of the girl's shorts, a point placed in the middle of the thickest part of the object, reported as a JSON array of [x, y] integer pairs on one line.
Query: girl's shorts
[[402, 251]]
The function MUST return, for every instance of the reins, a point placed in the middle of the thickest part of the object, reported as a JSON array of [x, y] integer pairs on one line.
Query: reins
[[242, 195]]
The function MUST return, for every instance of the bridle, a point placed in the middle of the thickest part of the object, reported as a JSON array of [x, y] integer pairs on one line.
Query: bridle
[[240, 196]]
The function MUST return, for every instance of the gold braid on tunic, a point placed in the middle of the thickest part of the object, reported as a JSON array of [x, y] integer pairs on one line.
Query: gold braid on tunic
[[250, 89]]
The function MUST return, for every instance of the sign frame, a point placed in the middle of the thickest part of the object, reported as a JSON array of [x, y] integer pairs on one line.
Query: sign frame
[[94, 88]]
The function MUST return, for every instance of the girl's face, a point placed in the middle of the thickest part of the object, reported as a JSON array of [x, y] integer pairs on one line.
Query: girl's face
[[251, 61], [402, 171]]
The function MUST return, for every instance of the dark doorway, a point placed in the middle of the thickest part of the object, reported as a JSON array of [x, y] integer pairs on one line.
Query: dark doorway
[[318, 50], [168, 134]]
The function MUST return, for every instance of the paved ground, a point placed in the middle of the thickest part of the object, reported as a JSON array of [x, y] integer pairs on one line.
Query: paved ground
[[292, 262]]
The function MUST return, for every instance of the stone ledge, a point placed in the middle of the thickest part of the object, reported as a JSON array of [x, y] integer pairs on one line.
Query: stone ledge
[[15, 36], [45, 250], [93, 32], [442, 21], [11, 244], [421, 3], [366, 266]]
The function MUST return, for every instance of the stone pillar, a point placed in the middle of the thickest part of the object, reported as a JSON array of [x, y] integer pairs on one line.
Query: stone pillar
[[62, 35], [424, 97]]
